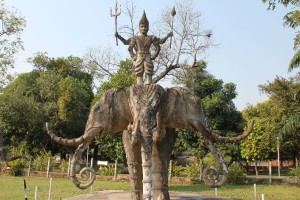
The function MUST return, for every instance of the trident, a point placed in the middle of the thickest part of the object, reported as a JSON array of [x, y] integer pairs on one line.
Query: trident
[[173, 13], [116, 14]]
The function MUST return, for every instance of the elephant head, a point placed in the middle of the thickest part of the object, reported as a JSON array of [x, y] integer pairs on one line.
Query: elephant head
[[146, 110]]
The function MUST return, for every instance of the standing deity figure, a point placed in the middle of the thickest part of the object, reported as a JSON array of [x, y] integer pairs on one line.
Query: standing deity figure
[[139, 50]]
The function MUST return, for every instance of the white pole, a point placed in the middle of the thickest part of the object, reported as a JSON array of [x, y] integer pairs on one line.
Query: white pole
[[170, 171], [115, 172], [87, 156], [29, 168], [254, 191], [278, 156], [69, 166], [201, 169], [216, 191], [36, 193], [91, 189], [50, 189], [270, 172], [48, 167], [262, 197]]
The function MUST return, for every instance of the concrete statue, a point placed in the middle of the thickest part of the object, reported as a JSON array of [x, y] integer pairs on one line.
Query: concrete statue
[[147, 114]]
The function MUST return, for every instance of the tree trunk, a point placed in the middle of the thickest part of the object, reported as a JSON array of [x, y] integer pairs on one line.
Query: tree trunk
[[256, 170]]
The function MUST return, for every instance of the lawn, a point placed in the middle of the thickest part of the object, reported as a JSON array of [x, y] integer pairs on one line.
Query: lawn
[[11, 188]]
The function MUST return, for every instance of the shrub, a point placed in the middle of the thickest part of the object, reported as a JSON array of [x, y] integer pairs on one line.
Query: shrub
[[16, 168], [295, 172], [40, 163], [236, 174], [108, 170], [64, 166], [193, 170], [177, 169]]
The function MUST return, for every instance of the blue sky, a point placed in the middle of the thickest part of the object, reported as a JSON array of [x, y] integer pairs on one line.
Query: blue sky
[[254, 46]]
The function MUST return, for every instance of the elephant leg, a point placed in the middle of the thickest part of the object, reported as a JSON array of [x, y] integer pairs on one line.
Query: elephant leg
[[134, 160], [87, 173], [161, 153]]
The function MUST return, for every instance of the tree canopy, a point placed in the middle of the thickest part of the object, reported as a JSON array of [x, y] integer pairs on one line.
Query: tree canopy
[[12, 25], [56, 91]]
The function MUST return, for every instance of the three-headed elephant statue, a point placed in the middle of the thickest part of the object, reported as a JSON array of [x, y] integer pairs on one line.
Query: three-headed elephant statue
[[147, 115]]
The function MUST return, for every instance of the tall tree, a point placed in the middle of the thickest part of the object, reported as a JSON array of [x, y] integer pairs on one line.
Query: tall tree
[[291, 19], [56, 91], [12, 25], [217, 98], [261, 143], [284, 93]]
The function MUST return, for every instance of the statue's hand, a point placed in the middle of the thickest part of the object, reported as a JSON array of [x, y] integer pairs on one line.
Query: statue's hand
[[170, 34], [116, 34]]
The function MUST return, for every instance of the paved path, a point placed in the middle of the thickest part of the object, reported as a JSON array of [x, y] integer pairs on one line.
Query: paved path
[[121, 195]]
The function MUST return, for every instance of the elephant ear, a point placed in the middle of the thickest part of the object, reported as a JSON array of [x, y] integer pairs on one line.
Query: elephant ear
[[182, 109]]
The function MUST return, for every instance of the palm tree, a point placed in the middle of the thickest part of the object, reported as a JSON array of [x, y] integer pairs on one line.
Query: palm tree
[[295, 62]]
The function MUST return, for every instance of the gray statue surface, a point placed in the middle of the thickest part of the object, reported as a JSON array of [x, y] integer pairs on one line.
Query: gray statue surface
[[147, 115], [139, 50]]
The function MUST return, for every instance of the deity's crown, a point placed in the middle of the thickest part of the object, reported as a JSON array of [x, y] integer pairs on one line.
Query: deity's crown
[[144, 20]]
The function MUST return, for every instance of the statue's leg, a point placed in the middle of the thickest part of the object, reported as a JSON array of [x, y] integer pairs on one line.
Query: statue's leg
[[161, 152], [134, 160]]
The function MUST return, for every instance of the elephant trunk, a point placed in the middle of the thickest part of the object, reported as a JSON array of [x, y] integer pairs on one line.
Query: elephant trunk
[[86, 174], [211, 174], [219, 138]]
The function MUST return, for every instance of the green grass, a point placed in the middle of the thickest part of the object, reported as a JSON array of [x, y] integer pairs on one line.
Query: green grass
[[11, 188]]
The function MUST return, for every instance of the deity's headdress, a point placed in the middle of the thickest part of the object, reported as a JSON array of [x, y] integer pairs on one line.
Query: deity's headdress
[[144, 20]]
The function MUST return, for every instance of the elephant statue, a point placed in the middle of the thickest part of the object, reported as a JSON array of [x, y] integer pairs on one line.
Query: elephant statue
[[147, 115]]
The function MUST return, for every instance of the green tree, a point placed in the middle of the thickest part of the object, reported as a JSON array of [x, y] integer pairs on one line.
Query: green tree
[[291, 19], [56, 91], [217, 98], [259, 145], [12, 24], [284, 93]]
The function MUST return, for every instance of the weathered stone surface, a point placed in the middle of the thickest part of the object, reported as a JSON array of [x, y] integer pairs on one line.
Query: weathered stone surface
[[148, 116]]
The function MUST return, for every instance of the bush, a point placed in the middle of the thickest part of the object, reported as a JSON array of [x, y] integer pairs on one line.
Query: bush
[[16, 168], [177, 169], [193, 170], [295, 172], [64, 166], [108, 170], [236, 174], [40, 163]]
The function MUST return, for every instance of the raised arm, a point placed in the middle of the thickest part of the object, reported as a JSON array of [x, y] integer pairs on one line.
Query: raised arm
[[163, 40], [126, 42]]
